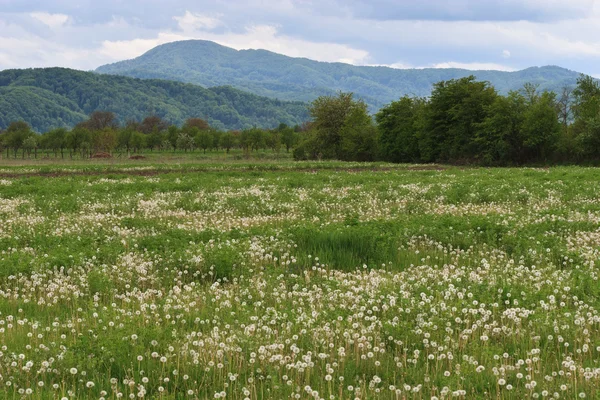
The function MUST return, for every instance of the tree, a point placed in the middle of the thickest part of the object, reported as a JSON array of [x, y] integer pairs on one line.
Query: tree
[[273, 140], [104, 140], [308, 147], [246, 140], [17, 133], [203, 139], [153, 123], [499, 139], [216, 138], [3, 144], [55, 140], [78, 139], [185, 142], [329, 115], [397, 127], [452, 115], [257, 138], [228, 141], [30, 143], [138, 141], [566, 147], [124, 138], [540, 127], [173, 135], [155, 139], [530, 92], [289, 137], [586, 112], [100, 120], [195, 123], [359, 136], [564, 106]]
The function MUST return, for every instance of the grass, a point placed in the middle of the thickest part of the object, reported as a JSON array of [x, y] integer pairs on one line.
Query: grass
[[214, 277]]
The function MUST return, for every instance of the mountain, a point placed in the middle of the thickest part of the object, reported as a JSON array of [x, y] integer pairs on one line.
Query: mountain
[[274, 75], [55, 97]]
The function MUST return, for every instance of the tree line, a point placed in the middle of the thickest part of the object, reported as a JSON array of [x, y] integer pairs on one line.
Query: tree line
[[101, 135], [463, 121]]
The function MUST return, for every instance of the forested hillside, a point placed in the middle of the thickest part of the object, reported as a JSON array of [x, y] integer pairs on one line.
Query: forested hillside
[[58, 97], [269, 74]]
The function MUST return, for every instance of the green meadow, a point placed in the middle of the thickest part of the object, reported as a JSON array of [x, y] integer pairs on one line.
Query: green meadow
[[204, 278]]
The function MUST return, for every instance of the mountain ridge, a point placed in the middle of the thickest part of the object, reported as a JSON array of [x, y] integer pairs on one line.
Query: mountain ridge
[[48, 98], [301, 79]]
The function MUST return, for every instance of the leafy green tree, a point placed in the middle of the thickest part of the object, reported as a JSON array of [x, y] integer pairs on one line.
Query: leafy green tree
[[228, 141], [397, 125], [124, 138], [246, 140], [138, 141], [540, 128], [17, 133], [289, 137], [499, 139], [173, 135], [329, 114], [203, 139], [55, 140], [185, 141], [308, 147], [586, 110], [78, 139], [273, 140], [453, 114], [30, 143], [258, 139], [155, 139], [3, 146], [104, 140], [166, 145], [359, 136], [215, 138]]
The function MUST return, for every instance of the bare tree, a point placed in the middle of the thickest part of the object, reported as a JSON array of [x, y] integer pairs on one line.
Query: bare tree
[[564, 105], [530, 91]]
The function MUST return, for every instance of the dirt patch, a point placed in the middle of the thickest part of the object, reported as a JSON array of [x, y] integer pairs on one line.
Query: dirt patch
[[101, 155]]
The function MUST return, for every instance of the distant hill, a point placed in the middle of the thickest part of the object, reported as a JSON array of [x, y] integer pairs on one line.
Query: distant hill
[[274, 75], [56, 97]]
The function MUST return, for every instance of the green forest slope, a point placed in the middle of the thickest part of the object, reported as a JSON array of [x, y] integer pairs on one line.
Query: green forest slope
[[274, 75], [58, 97]]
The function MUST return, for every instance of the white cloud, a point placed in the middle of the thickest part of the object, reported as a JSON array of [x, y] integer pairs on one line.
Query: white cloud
[[454, 10], [51, 20], [475, 66], [190, 22], [265, 37], [70, 33], [127, 49]]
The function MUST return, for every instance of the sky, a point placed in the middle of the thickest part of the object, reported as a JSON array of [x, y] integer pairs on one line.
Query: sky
[[472, 34]]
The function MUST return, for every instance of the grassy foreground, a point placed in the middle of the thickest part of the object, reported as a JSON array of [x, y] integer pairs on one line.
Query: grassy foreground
[[298, 281]]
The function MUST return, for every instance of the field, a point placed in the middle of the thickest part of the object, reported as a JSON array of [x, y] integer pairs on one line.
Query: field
[[281, 280]]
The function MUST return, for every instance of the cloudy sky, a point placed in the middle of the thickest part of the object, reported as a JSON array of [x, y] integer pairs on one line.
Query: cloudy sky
[[473, 34]]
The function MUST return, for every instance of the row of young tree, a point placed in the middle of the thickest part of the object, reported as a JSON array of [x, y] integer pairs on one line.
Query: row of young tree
[[101, 135], [463, 121]]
